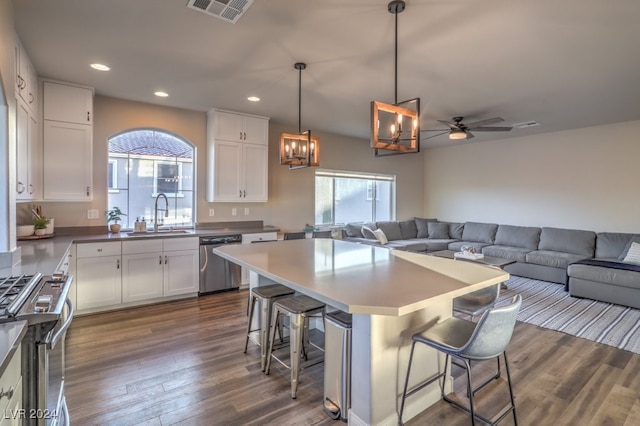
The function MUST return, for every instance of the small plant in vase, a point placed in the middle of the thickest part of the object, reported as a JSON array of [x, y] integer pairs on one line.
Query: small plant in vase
[[114, 215], [40, 225]]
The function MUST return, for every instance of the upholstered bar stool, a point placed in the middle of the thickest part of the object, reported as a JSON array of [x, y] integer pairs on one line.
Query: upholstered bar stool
[[299, 309], [267, 295]]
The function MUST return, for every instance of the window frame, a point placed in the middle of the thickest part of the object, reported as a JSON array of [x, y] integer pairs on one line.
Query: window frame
[[113, 164], [155, 192]]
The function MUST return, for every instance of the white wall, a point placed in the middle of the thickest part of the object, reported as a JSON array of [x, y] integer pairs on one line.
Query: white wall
[[585, 179]]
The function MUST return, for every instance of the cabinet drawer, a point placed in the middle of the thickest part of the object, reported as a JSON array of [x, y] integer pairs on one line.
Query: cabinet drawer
[[260, 236], [98, 249], [172, 244], [11, 376], [142, 246]]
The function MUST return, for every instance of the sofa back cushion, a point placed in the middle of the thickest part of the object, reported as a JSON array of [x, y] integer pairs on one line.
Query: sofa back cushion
[[421, 225], [455, 230], [568, 241], [408, 229], [518, 236], [479, 232], [611, 245], [391, 230], [438, 230], [352, 230]]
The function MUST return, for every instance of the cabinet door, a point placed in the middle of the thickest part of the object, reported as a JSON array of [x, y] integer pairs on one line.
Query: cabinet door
[[98, 282], [225, 183], [12, 413], [141, 276], [22, 151], [33, 160], [67, 161], [66, 103], [228, 126], [181, 272], [255, 172], [255, 130]]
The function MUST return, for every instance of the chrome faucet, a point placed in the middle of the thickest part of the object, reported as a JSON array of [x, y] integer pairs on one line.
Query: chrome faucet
[[166, 211]]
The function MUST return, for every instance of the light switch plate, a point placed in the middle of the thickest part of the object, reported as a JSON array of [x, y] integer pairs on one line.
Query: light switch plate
[[246, 211], [92, 214], [211, 212], [234, 211]]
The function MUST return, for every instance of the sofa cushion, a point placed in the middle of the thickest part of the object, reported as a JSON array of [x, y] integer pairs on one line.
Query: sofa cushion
[[367, 233], [408, 229], [457, 245], [435, 244], [634, 239], [455, 230], [518, 236], [553, 259], [438, 230], [353, 230], [408, 245], [479, 232], [421, 225], [610, 245], [391, 230], [568, 241], [605, 275], [518, 254]]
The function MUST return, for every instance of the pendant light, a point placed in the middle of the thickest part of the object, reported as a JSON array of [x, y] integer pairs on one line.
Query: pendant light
[[299, 150], [395, 127]]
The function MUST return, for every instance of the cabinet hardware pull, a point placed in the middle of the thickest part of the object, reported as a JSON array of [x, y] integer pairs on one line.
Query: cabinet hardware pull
[[240, 135], [117, 263], [245, 193], [160, 260], [88, 116], [30, 189], [99, 250], [8, 394], [240, 193], [87, 191], [20, 187], [245, 136], [165, 260], [31, 98]]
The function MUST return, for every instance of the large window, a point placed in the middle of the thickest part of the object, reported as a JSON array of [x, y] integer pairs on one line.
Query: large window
[[343, 197], [145, 163]]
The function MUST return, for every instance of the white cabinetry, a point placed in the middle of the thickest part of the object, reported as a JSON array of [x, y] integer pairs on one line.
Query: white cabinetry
[[27, 158], [67, 141], [237, 153], [180, 266], [26, 78], [250, 238], [141, 270], [11, 386], [67, 265], [98, 275]]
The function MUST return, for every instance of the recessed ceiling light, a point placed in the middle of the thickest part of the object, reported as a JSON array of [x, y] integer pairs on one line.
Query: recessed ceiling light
[[253, 99], [100, 67], [161, 94]]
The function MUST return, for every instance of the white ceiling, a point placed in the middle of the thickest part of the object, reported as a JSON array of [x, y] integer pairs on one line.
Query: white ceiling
[[566, 64]]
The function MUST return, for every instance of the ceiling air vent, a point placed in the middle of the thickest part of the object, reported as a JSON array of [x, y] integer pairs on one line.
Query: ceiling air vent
[[227, 10]]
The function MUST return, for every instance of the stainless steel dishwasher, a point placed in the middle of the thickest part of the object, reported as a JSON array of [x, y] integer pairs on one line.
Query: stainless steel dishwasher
[[216, 273]]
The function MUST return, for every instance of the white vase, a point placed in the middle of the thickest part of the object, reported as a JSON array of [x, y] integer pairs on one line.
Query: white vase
[[49, 228], [40, 232]]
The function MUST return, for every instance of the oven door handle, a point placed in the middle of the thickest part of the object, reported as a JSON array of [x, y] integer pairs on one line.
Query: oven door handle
[[53, 340]]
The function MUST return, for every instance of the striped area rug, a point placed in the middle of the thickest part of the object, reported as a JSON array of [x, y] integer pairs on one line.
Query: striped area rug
[[547, 305]]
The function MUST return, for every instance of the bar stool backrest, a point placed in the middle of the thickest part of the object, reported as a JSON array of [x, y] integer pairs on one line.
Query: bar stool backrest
[[493, 332]]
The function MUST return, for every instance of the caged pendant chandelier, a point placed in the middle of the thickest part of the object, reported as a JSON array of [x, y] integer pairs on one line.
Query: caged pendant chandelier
[[395, 127], [299, 150]]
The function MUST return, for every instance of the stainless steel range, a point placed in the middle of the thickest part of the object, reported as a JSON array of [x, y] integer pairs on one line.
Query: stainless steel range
[[42, 301]]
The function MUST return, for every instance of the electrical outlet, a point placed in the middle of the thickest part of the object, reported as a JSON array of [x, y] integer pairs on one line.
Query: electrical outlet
[[211, 212], [234, 211], [92, 214], [246, 211]]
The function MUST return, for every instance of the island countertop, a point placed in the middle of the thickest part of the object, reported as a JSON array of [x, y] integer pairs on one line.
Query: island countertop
[[363, 279]]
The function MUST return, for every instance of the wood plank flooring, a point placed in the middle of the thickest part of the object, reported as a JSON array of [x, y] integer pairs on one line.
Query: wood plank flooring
[[182, 363]]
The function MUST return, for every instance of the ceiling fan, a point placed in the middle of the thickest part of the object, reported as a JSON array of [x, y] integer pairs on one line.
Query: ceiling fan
[[460, 130]]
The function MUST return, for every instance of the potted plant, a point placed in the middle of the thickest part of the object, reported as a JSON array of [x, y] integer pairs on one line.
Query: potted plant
[[114, 215], [40, 225]]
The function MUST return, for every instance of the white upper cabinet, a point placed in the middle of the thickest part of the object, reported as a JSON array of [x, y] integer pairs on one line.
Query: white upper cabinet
[[237, 157], [68, 103], [26, 78], [68, 142], [240, 128]]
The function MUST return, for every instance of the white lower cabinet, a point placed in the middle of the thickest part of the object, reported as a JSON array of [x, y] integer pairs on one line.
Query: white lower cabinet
[[252, 238], [113, 274], [11, 386]]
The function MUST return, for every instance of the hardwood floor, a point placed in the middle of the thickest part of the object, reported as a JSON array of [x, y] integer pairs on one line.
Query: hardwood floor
[[182, 363]]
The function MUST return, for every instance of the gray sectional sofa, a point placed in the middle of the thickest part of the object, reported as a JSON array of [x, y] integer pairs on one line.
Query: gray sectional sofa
[[589, 264]]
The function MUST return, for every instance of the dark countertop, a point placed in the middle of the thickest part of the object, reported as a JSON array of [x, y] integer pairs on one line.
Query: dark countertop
[[44, 255], [11, 334]]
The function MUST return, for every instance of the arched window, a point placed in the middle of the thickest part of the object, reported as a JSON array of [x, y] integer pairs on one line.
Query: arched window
[[144, 163]]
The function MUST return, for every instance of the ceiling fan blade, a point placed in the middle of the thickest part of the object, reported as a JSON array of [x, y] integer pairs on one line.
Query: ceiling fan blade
[[434, 130], [481, 123], [446, 132], [492, 129], [469, 135], [449, 124]]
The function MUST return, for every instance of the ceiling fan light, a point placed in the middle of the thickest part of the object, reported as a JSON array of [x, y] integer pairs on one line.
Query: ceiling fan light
[[457, 134]]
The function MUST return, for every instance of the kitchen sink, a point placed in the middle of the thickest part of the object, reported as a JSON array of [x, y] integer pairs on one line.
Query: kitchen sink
[[160, 232]]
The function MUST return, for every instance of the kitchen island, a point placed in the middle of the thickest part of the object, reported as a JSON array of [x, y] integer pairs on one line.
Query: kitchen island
[[391, 294]]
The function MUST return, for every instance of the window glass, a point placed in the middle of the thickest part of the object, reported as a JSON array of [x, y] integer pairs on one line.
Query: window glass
[[146, 163], [343, 197]]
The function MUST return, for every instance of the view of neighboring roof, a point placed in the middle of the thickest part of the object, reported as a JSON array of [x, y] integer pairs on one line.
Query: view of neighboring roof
[[149, 142]]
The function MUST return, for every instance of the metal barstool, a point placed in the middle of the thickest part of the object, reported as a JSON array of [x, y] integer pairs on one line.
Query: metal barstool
[[299, 309], [267, 295]]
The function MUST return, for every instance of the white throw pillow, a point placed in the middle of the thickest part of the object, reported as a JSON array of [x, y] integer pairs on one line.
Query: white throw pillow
[[382, 239], [633, 255]]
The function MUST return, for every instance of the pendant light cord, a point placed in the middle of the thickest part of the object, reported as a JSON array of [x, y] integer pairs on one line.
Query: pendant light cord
[[299, 100], [396, 60]]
